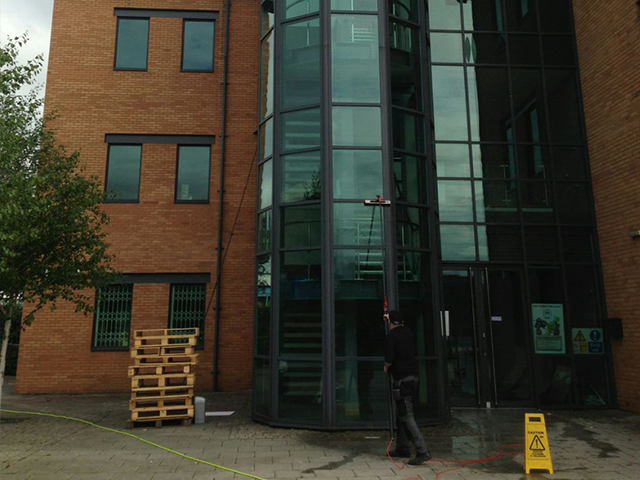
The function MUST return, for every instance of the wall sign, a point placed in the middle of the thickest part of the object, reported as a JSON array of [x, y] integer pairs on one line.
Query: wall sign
[[587, 341], [548, 327]]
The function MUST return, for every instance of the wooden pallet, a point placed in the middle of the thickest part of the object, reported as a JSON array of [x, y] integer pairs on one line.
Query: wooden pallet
[[157, 393], [173, 359], [155, 413], [146, 404], [184, 421], [159, 369], [161, 381], [166, 332], [162, 350], [187, 340]]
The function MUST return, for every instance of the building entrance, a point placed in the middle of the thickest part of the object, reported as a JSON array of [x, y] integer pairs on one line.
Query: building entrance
[[486, 337]]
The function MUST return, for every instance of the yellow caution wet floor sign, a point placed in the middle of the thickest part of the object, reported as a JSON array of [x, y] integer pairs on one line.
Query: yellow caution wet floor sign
[[537, 455]]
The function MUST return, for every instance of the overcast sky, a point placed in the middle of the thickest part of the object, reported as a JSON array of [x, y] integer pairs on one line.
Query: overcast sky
[[32, 16]]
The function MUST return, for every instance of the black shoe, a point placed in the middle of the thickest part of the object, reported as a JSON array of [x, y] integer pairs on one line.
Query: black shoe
[[399, 453], [420, 459]]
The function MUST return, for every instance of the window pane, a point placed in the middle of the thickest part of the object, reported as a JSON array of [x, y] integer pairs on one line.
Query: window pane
[[455, 201], [405, 9], [267, 17], [357, 174], [494, 161], [187, 308], [534, 162], [573, 202], [300, 304], [537, 202], [484, 15], [266, 76], [414, 289], [582, 296], [263, 307], [361, 393], [569, 163], [264, 231], [408, 132], [123, 174], [453, 160], [578, 244], [542, 244], [524, 50], [558, 50], [301, 63], [411, 178], [499, 243], [522, 15], [300, 391], [133, 40], [112, 318], [357, 126], [497, 202], [554, 379], [555, 15], [296, 8], [266, 139], [444, 15], [355, 62], [358, 302], [458, 242], [193, 173], [446, 47], [261, 387], [300, 129], [591, 379], [489, 104], [529, 105], [356, 224], [545, 285], [355, 5], [197, 51], [406, 73], [449, 103], [564, 113], [265, 197], [301, 177], [301, 226], [485, 48], [412, 227]]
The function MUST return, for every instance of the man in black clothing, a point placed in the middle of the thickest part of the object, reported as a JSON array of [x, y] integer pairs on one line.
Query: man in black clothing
[[400, 362]]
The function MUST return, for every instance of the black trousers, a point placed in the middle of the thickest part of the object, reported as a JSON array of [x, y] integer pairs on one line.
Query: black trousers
[[405, 395]]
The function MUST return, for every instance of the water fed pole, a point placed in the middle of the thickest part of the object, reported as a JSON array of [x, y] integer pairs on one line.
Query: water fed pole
[[381, 203]]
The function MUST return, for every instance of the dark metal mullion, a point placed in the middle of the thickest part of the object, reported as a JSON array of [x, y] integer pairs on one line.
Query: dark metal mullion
[[276, 256], [326, 218], [437, 298]]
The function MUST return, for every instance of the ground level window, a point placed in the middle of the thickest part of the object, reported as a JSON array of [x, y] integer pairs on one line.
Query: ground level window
[[187, 308], [112, 318]]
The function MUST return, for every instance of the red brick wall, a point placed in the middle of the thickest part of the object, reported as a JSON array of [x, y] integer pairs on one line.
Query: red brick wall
[[608, 36], [155, 235]]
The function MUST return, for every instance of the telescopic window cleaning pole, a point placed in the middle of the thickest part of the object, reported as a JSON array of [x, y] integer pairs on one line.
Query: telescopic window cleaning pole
[[381, 203]]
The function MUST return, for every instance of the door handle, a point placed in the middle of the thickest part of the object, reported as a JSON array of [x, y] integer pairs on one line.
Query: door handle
[[447, 331]]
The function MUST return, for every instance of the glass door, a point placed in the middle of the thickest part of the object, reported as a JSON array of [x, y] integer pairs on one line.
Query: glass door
[[486, 339]]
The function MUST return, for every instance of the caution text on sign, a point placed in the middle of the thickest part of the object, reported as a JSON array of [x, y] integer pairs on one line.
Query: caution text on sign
[[537, 455]]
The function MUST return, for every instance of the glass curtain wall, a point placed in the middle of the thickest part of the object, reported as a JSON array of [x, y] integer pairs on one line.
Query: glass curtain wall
[[513, 178], [328, 140]]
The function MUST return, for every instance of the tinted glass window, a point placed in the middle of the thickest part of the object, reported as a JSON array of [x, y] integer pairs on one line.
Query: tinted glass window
[[197, 53], [193, 174], [123, 172], [132, 43], [300, 63]]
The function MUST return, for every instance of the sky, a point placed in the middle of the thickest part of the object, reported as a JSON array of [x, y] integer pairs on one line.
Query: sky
[[32, 16]]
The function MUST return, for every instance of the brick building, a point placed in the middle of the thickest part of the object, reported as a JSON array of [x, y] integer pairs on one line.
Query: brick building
[[469, 117]]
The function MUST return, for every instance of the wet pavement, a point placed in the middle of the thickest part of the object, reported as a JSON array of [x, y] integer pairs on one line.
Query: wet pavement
[[475, 445]]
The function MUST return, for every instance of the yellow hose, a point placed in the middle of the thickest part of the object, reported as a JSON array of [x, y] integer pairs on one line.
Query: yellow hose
[[113, 430]]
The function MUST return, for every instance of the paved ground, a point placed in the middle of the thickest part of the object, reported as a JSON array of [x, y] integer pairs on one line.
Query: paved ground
[[584, 445]]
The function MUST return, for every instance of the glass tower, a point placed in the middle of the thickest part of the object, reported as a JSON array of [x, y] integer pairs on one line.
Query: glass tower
[[466, 115]]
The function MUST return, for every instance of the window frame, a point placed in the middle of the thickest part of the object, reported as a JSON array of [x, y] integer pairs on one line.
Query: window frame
[[115, 55], [200, 340], [213, 45], [95, 348], [175, 187], [106, 175]]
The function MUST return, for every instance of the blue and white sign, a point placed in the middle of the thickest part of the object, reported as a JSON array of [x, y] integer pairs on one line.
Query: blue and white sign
[[587, 341]]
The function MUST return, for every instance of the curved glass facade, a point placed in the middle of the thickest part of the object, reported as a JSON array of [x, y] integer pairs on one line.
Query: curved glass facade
[[467, 116]]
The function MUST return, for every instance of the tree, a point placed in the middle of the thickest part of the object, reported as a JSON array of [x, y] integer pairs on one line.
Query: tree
[[52, 243]]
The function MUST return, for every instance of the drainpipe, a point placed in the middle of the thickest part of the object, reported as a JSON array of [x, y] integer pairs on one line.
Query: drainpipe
[[223, 141]]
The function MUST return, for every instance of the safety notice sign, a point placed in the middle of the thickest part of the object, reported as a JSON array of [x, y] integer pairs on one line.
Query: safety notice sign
[[537, 455], [587, 341]]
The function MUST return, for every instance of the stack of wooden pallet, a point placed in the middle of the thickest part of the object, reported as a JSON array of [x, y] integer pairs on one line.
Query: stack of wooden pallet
[[162, 376]]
